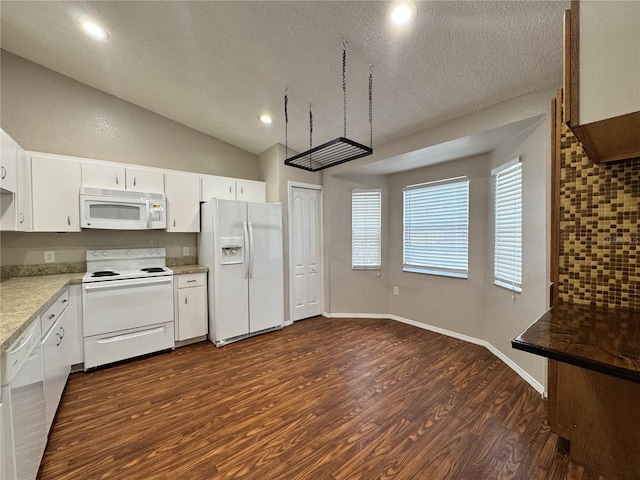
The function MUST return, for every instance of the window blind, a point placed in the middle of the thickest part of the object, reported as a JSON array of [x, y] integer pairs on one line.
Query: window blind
[[366, 224], [507, 269], [436, 228]]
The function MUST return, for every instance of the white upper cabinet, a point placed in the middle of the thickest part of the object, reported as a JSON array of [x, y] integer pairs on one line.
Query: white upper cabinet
[[183, 205], [23, 195], [99, 175], [145, 180], [226, 188], [8, 162], [213, 186], [251, 191], [602, 77], [15, 196], [119, 177], [609, 74], [55, 181]]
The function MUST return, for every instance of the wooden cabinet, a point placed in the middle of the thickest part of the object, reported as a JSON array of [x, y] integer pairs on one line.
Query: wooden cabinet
[[190, 306], [226, 188], [55, 182], [119, 177], [601, 78], [56, 346], [183, 202]]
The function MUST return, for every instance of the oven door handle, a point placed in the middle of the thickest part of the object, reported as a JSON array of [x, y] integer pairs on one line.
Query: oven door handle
[[126, 283]]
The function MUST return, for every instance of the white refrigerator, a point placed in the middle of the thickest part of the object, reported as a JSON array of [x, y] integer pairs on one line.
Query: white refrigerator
[[241, 245]]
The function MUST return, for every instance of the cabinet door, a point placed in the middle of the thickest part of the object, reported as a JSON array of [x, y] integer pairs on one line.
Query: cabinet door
[[251, 191], [99, 175], [8, 162], [56, 367], [192, 313], [55, 184], [183, 205], [223, 188], [23, 196], [145, 180]]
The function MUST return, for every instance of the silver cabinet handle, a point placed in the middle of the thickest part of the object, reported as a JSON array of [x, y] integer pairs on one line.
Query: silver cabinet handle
[[174, 222], [68, 220], [229, 187], [185, 300], [134, 181], [4, 173], [242, 190], [191, 281], [21, 217], [64, 301], [62, 330], [59, 340], [116, 179], [51, 316]]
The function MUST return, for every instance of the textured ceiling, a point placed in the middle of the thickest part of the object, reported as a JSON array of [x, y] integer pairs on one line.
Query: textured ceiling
[[215, 65]]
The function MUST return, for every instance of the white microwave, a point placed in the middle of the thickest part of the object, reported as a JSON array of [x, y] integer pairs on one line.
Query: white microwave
[[122, 209]]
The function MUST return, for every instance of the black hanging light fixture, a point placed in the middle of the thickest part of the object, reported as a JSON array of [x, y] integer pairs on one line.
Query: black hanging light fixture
[[338, 150]]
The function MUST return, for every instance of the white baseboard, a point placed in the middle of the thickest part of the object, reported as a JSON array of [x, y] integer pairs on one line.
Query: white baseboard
[[449, 333]]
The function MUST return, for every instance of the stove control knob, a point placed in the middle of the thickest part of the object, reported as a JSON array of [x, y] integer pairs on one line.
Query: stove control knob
[[104, 253], [95, 254]]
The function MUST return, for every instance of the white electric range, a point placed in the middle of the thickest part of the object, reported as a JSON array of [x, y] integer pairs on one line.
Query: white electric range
[[127, 304]]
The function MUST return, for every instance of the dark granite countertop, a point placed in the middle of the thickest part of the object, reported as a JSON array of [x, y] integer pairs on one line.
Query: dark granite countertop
[[602, 339]]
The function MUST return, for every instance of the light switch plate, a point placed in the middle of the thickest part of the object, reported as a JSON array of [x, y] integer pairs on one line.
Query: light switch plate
[[49, 256], [185, 251]]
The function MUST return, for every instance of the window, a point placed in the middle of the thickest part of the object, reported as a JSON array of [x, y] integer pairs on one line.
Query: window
[[436, 228], [507, 269], [366, 210]]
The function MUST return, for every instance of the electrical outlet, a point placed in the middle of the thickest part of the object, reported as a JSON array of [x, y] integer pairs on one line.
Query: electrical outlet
[[185, 251], [49, 257], [395, 290]]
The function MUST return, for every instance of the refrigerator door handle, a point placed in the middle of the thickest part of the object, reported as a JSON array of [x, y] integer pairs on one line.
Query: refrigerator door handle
[[246, 256], [251, 251]]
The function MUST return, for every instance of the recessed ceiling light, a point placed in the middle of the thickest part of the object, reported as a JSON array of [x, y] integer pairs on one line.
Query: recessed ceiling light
[[402, 12], [265, 118], [95, 30]]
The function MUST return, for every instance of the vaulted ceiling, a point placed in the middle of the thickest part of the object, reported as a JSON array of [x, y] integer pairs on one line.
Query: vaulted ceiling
[[215, 65]]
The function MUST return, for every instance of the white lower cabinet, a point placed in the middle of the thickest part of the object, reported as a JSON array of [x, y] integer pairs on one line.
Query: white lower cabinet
[[190, 306], [56, 349], [3, 463]]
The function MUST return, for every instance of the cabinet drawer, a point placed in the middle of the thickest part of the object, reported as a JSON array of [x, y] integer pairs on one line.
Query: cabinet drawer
[[193, 280], [52, 314]]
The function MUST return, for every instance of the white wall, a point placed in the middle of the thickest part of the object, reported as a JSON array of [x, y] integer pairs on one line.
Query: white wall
[[507, 317], [451, 303], [472, 307], [271, 168], [347, 290], [45, 111]]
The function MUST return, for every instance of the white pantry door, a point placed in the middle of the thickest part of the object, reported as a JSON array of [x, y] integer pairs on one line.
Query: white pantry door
[[305, 253]]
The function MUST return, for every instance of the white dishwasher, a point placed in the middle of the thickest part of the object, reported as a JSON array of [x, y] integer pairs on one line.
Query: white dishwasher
[[23, 404]]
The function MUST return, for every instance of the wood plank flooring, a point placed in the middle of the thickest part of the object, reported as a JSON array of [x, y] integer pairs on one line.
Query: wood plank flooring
[[322, 399]]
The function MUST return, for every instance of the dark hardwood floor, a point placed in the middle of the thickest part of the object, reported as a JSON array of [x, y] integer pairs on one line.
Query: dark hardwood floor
[[322, 399]]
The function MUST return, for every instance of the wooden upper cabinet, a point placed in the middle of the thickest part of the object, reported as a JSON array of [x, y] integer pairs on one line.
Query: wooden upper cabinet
[[602, 77]]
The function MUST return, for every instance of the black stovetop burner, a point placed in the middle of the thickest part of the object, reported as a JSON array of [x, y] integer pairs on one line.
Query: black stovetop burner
[[104, 273], [152, 269]]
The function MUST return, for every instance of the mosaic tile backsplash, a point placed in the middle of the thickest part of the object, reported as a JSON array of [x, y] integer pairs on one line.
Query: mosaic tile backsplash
[[599, 233]]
